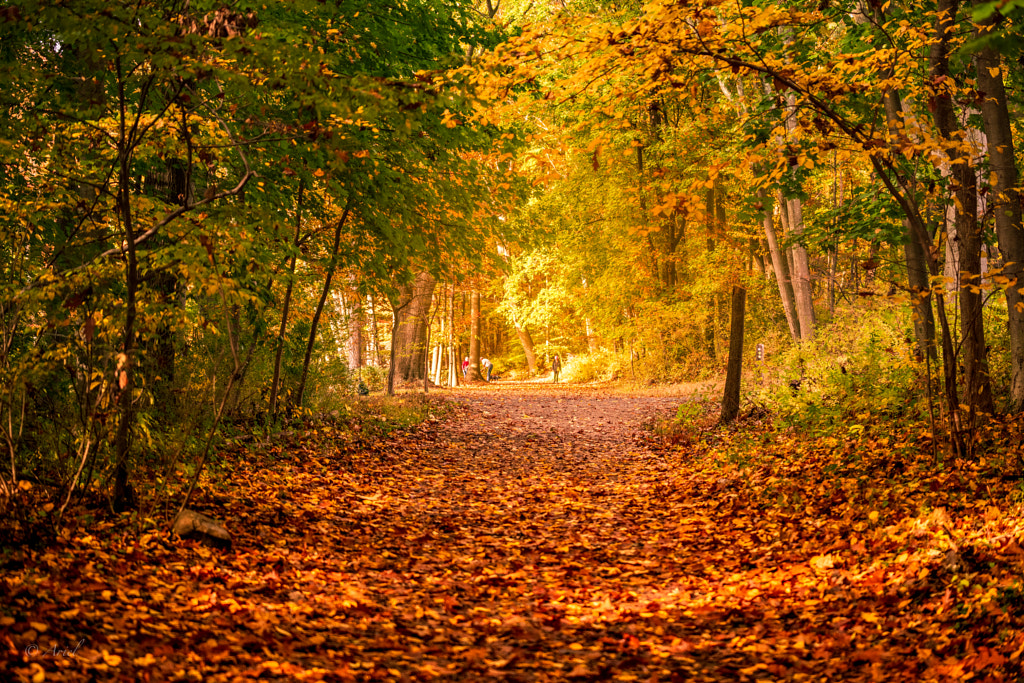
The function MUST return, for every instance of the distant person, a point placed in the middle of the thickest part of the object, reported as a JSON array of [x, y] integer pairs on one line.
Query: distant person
[[556, 367], [486, 364], [465, 368]]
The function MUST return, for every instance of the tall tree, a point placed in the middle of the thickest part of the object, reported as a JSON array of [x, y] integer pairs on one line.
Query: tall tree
[[1004, 196], [410, 340], [965, 230], [474, 337]]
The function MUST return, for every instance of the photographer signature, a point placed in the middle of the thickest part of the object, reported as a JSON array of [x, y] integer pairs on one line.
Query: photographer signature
[[33, 650]]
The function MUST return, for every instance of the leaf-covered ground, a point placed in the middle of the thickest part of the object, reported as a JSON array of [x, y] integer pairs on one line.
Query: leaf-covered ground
[[540, 534]]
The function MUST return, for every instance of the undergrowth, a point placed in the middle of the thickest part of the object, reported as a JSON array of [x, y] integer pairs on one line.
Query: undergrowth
[[856, 376], [850, 410], [352, 424]]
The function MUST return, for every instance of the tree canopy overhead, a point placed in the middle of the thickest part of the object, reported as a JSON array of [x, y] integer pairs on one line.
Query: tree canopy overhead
[[798, 132], [190, 189], [160, 156], [242, 243]]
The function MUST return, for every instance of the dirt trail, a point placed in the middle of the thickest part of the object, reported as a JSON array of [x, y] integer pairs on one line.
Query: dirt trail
[[536, 535], [533, 521], [572, 430], [580, 416], [532, 537]]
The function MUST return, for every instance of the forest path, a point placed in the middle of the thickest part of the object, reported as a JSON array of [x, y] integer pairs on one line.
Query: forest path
[[534, 535], [525, 540]]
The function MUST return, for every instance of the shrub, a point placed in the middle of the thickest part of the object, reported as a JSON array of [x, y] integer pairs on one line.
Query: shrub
[[858, 372], [601, 366]]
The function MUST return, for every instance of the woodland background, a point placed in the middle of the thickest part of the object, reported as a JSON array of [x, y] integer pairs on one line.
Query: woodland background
[[219, 218], [246, 246]]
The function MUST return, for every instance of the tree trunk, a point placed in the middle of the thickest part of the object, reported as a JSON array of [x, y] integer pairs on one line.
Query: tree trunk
[[439, 347], [331, 267], [124, 497], [1006, 208], [356, 321], [426, 351], [731, 399], [474, 337], [918, 279], [397, 306], [780, 267], [391, 357], [913, 251], [527, 341], [668, 234], [801, 271], [833, 267], [160, 352], [276, 383], [977, 387], [375, 358], [175, 187], [756, 257], [920, 292], [410, 340], [710, 319], [454, 359]]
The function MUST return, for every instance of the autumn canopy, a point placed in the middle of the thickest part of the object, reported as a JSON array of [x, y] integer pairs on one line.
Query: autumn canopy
[[513, 339]]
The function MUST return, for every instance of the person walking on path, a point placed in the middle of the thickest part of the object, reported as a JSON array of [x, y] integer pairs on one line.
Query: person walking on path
[[556, 367], [465, 368], [486, 364]]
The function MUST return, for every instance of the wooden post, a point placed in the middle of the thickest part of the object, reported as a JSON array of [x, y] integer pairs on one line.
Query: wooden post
[[731, 400]]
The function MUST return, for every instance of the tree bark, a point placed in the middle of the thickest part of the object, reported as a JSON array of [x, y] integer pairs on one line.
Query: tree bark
[[474, 337], [977, 387], [920, 291], [397, 306], [331, 267], [356, 321], [391, 352], [124, 497], [410, 340], [1006, 208], [426, 349], [780, 267], [375, 358], [439, 347], [454, 359], [756, 258], [175, 187], [527, 342], [275, 385], [801, 271], [731, 399], [668, 235]]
